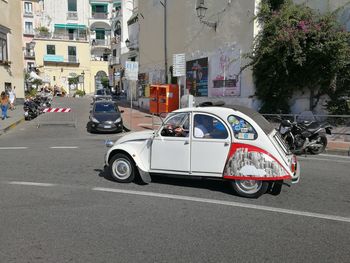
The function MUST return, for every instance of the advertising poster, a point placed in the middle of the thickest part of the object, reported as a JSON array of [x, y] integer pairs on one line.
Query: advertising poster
[[224, 69], [197, 77]]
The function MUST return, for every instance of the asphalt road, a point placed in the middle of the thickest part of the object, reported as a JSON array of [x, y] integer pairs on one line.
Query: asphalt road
[[57, 205]]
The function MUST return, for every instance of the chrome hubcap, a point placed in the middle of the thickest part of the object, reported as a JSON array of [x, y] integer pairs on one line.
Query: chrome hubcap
[[249, 186], [122, 168]]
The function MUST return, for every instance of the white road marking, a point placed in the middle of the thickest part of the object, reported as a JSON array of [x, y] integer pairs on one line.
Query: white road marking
[[323, 159], [31, 183], [13, 148], [335, 156], [227, 203], [64, 147]]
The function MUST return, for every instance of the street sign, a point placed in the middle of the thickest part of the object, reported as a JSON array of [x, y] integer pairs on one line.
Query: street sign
[[179, 65], [131, 70]]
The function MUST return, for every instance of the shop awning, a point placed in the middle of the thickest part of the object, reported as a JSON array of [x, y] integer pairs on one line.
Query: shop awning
[[70, 26], [98, 3]]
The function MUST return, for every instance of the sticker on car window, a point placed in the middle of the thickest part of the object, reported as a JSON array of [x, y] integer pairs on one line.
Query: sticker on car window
[[242, 129]]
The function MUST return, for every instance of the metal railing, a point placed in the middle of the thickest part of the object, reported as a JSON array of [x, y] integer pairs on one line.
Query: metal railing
[[100, 42], [29, 32], [62, 36], [99, 16], [72, 15], [29, 54], [340, 123], [114, 61], [72, 59], [70, 36]]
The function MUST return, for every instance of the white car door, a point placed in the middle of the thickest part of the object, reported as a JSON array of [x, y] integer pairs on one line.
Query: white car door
[[209, 152], [170, 153]]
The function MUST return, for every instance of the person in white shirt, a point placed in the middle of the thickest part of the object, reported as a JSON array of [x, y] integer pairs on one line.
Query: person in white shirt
[[12, 98], [201, 126]]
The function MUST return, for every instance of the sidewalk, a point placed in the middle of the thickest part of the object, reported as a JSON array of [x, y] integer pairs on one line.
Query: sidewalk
[[142, 120], [15, 117]]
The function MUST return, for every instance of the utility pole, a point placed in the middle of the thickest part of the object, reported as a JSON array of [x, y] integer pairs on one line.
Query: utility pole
[[164, 4]]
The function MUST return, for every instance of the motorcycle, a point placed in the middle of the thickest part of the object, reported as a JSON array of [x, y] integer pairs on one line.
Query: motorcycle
[[30, 109], [305, 136]]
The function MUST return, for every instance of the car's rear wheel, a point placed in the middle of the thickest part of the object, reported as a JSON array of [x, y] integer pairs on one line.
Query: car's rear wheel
[[250, 188], [122, 168]]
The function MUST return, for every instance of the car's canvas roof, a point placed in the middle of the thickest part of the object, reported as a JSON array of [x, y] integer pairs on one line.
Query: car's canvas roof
[[227, 110]]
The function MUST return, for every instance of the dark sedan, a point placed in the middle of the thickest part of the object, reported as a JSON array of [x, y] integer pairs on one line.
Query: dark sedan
[[105, 117]]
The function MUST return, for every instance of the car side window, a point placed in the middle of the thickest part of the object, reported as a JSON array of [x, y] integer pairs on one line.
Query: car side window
[[176, 125], [206, 126], [242, 129]]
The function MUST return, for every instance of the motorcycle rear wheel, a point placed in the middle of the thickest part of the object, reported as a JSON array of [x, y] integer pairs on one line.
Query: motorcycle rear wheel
[[322, 140]]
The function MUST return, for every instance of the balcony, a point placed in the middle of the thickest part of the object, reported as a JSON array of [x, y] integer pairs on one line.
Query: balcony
[[72, 15], [62, 36], [70, 36], [28, 13], [100, 43], [72, 59], [29, 32], [99, 16], [29, 55], [114, 61], [60, 60]]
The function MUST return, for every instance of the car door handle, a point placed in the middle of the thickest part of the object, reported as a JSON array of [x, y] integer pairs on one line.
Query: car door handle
[[186, 142], [226, 144]]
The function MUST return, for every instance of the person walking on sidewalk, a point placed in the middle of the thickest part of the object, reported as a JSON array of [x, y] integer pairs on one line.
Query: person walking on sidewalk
[[12, 97], [4, 102]]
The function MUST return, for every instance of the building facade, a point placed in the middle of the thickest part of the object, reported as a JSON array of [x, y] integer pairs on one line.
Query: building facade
[[11, 56], [120, 45], [75, 43], [214, 45], [31, 14]]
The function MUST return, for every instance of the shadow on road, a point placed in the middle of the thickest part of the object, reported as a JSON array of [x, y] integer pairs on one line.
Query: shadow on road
[[212, 185]]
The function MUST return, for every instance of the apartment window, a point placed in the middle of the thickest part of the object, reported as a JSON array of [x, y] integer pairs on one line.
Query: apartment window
[[100, 34], [72, 5], [28, 28], [50, 50], [114, 52], [72, 54], [28, 8], [99, 8], [3, 47]]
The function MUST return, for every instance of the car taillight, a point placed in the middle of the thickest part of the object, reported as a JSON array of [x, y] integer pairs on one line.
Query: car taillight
[[293, 165]]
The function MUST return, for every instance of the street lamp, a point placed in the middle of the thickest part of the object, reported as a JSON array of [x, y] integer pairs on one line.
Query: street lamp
[[83, 75], [201, 11]]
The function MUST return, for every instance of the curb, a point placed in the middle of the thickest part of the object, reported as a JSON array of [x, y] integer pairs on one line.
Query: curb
[[341, 152], [13, 125]]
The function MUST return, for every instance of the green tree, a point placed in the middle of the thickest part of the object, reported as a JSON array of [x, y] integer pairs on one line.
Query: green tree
[[298, 49], [105, 82]]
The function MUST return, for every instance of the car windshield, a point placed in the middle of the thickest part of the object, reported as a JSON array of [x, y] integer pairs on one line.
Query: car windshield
[[100, 92], [105, 107]]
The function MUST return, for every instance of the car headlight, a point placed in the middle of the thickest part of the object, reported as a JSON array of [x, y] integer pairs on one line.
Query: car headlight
[[94, 120], [118, 120]]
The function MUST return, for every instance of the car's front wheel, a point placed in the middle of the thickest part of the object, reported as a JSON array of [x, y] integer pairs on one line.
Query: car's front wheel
[[122, 168], [250, 188]]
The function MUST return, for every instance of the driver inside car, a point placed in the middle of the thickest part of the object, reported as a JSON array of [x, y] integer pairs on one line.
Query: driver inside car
[[202, 127]]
